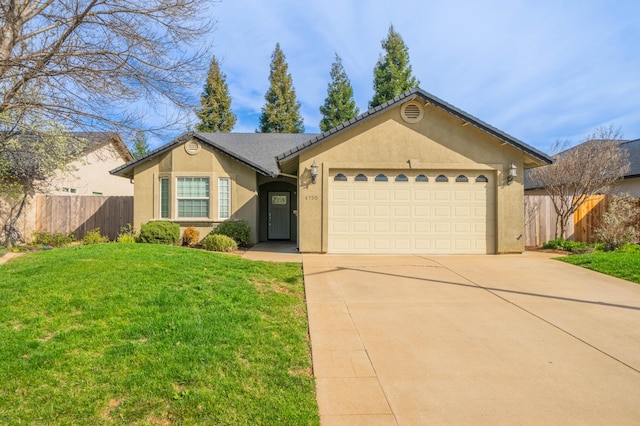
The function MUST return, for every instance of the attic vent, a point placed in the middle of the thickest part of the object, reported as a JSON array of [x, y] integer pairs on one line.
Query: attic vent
[[192, 147], [411, 112]]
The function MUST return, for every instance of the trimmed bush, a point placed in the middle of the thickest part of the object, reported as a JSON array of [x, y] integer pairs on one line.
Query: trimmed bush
[[159, 232], [190, 237], [217, 242], [94, 237], [239, 230]]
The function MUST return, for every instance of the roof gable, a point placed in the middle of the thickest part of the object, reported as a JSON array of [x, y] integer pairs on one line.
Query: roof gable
[[255, 150], [428, 98]]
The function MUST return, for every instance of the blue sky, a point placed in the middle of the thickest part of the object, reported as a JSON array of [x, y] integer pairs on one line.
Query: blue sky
[[539, 70]]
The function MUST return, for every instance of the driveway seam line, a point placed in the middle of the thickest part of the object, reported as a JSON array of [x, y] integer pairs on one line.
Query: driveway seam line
[[540, 318]]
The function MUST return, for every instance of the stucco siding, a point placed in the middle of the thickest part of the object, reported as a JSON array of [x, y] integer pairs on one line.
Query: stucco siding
[[208, 163], [90, 175], [438, 141]]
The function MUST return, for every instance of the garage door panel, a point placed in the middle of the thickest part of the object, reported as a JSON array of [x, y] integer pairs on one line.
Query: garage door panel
[[361, 211], [369, 216], [361, 227]]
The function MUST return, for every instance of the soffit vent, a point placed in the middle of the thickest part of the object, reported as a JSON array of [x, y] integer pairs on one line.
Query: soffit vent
[[192, 147], [412, 112]]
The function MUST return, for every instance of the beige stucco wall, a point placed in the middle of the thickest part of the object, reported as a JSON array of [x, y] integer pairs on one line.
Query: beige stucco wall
[[207, 162], [438, 141], [90, 175]]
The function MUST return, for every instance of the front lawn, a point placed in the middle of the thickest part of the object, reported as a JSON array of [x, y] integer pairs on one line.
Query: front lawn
[[621, 264], [148, 334]]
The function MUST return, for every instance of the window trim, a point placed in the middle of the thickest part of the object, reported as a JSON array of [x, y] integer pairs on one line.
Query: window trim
[[228, 200], [178, 198]]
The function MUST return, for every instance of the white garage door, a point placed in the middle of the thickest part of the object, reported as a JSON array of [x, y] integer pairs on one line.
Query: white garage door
[[409, 211]]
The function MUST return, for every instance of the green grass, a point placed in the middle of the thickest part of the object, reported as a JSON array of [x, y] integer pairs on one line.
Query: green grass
[[147, 334], [622, 264]]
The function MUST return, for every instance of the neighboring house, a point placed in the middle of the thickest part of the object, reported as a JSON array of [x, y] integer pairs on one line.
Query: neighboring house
[[630, 183], [89, 174], [414, 175]]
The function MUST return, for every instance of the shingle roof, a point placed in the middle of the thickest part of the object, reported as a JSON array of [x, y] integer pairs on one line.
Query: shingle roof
[[255, 150], [437, 102], [633, 147], [264, 152]]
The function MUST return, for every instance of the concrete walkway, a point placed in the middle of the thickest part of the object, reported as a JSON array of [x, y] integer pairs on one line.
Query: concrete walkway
[[518, 339], [274, 251]]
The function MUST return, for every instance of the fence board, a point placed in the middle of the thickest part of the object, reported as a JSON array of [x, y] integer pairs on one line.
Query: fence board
[[540, 221], [78, 214]]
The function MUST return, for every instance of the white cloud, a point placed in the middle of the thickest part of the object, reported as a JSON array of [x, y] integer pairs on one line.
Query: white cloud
[[540, 70]]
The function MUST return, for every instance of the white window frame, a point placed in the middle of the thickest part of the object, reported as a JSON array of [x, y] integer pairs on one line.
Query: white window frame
[[207, 198], [224, 202]]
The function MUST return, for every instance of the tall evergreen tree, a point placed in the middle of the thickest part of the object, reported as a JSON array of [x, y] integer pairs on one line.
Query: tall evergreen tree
[[339, 105], [392, 73], [281, 113], [216, 114], [140, 146]]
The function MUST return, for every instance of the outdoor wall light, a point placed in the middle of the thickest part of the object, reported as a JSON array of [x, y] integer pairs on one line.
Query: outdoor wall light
[[314, 171], [513, 172]]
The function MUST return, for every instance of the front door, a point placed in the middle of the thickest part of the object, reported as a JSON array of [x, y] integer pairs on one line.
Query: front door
[[279, 216]]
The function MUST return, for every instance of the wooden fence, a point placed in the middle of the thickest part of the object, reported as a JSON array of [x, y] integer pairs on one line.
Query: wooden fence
[[79, 214], [540, 219]]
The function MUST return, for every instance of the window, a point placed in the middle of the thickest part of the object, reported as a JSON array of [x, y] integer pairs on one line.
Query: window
[[422, 178], [462, 178], [442, 178], [193, 197], [340, 177], [381, 178], [70, 190], [164, 198], [96, 193], [482, 178], [402, 178], [224, 198], [360, 178]]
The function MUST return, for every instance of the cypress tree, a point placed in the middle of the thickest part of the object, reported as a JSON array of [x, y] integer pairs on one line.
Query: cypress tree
[[281, 112], [216, 114], [339, 105], [392, 73], [140, 146]]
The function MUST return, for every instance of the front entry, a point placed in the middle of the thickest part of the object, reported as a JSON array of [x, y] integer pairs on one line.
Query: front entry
[[279, 216]]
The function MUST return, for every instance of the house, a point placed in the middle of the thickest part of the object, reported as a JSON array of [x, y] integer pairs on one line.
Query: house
[[87, 175], [414, 175]]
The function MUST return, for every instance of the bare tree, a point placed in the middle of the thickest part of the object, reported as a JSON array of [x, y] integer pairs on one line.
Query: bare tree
[[587, 169], [84, 63]]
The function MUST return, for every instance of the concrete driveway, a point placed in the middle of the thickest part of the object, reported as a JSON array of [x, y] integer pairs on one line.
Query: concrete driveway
[[515, 339]]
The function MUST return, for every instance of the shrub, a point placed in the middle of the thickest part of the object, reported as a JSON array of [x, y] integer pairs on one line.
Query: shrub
[[239, 230], [190, 237], [127, 234], [217, 242], [159, 233], [619, 224], [53, 240], [568, 245], [94, 237]]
